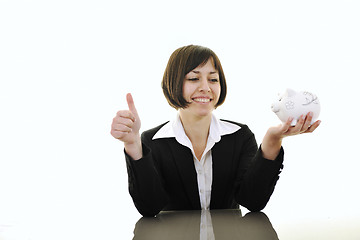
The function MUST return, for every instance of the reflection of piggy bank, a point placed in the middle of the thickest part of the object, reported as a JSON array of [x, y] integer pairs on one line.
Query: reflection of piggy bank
[[294, 104]]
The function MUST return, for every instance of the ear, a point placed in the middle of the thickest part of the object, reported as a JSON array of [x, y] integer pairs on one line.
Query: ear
[[290, 92]]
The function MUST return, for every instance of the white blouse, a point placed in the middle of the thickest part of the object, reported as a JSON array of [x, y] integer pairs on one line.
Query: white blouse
[[203, 166]]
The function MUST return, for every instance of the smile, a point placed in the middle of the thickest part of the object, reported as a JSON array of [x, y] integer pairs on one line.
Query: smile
[[202, 100]]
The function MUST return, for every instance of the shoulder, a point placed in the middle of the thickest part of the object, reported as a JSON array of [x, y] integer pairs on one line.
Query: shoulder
[[243, 137], [236, 123], [243, 127], [149, 134]]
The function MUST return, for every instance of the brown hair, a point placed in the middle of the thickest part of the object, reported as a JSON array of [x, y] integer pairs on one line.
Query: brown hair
[[181, 62]]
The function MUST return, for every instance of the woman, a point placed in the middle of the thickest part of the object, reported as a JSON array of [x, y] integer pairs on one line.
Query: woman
[[197, 161]]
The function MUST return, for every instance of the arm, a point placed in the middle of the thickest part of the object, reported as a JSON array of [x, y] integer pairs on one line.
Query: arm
[[256, 175], [261, 173], [273, 138], [144, 182], [145, 185]]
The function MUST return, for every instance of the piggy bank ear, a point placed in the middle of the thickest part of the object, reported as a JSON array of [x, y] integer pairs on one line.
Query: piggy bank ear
[[290, 92]]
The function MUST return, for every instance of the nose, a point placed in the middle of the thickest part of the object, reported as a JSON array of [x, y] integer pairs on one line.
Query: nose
[[204, 85], [275, 107]]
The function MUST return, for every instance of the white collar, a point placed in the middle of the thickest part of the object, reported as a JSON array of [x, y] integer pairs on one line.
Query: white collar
[[174, 128]]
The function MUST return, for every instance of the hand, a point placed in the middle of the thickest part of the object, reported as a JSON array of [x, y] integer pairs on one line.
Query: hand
[[126, 124], [125, 127], [273, 138], [303, 125]]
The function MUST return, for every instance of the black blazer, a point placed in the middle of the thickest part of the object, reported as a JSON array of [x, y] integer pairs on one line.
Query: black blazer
[[165, 178]]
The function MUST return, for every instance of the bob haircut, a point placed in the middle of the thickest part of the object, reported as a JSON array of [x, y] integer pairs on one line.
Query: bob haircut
[[181, 62]]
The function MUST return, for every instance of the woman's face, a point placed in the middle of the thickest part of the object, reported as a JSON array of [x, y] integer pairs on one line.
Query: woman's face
[[202, 89]]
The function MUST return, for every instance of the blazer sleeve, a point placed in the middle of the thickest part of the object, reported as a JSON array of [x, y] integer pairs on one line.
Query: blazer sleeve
[[145, 184], [257, 176]]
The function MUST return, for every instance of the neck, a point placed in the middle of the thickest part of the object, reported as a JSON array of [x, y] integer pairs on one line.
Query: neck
[[196, 127]]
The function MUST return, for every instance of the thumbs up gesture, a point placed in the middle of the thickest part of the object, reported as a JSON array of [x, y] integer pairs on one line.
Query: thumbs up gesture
[[126, 124]]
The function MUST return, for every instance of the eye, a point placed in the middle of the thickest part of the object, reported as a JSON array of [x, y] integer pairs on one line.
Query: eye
[[214, 80], [193, 79]]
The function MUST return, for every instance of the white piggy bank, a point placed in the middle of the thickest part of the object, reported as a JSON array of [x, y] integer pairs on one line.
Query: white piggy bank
[[294, 104]]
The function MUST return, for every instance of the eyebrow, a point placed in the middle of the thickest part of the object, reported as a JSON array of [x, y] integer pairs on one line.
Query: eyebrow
[[197, 72]]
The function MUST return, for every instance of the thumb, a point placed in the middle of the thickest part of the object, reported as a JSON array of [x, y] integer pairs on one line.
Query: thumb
[[131, 105]]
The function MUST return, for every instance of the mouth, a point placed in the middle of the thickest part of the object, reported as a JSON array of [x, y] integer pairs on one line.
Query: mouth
[[201, 100]]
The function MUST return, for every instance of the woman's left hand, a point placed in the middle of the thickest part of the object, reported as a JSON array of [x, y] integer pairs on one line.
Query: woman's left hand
[[303, 125], [273, 138]]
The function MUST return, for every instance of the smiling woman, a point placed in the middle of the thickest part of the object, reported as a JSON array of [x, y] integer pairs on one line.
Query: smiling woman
[[197, 161], [201, 89], [186, 63]]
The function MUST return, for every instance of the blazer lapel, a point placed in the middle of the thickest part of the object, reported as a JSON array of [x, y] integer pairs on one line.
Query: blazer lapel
[[222, 154], [184, 161]]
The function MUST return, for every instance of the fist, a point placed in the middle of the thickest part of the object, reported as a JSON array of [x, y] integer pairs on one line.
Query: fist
[[126, 124]]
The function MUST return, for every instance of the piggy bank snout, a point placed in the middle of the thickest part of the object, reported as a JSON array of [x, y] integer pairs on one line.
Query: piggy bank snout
[[275, 107]]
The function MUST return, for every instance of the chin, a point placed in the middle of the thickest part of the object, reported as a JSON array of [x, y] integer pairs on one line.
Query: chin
[[204, 113], [200, 111]]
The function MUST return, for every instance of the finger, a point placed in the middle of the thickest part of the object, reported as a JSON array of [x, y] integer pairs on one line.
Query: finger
[[123, 120], [287, 125], [307, 122], [118, 134], [125, 114], [131, 103], [297, 128], [314, 126], [121, 127]]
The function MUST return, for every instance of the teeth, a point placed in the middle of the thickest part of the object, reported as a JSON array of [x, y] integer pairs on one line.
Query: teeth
[[204, 100]]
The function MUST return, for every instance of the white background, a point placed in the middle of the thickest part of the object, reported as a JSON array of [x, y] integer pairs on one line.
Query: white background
[[66, 66]]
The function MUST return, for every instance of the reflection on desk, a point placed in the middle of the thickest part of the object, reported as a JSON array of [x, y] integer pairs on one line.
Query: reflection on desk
[[205, 224]]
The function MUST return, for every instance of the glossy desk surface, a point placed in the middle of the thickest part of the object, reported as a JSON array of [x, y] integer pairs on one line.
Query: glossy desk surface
[[230, 224], [217, 224], [174, 225]]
